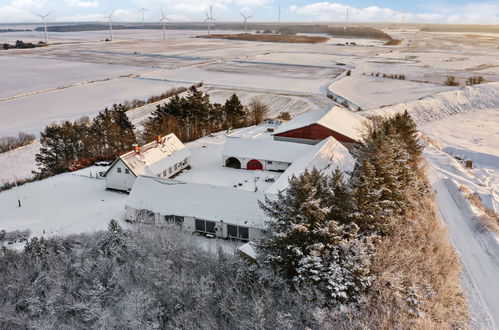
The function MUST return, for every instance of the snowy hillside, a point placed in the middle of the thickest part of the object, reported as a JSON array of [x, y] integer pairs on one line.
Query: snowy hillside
[[445, 104]]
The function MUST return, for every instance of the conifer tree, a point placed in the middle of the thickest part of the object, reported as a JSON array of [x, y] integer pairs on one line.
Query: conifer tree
[[234, 112], [307, 247]]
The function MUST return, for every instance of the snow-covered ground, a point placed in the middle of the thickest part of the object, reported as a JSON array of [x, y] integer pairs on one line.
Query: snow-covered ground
[[470, 136], [64, 204], [370, 92]]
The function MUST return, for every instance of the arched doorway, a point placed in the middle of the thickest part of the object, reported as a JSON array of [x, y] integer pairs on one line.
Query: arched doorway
[[233, 163], [254, 165]]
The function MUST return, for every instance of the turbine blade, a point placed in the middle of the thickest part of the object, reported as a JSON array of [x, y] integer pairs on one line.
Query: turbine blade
[[162, 13]]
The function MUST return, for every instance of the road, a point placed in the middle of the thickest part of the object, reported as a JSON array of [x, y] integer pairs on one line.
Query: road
[[478, 253]]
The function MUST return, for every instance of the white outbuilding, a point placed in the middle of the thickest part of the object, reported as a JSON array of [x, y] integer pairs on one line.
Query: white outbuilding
[[261, 154], [164, 158], [223, 212]]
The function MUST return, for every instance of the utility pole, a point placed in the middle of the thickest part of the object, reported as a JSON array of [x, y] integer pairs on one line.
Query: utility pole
[[14, 176]]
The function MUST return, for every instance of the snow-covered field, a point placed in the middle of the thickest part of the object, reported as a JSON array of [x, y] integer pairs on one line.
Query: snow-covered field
[[460, 122], [370, 92]]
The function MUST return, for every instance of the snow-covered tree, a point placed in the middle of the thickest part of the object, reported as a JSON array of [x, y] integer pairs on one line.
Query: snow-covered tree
[[307, 247]]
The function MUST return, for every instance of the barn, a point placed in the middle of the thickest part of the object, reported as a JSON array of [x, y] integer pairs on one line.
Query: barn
[[222, 212], [261, 154], [314, 126], [164, 157]]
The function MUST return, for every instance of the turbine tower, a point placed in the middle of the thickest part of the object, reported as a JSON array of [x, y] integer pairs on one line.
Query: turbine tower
[[209, 19], [245, 26], [43, 17], [142, 10], [164, 19], [110, 25]]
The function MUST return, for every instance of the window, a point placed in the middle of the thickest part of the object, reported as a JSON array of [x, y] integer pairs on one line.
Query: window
[[175, 166], [174, 219], [205, 226], [164, 173], [127, 171], [269, 162], [238, 232], [118, 169], [170, 170]]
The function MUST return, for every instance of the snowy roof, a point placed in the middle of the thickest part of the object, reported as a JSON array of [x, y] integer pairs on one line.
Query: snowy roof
[[249, 249], [326, 156], [265, 149], [203, 201], [154, 158], [337, 119]]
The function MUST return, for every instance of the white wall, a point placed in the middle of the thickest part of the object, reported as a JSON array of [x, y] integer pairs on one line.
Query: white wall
[[168, 174], [189, 224], [120, 181], [272, 166]]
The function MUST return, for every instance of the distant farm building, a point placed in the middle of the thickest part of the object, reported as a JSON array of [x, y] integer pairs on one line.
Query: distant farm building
[[216, 211], [164, 158], [261, 154], [314, 126]]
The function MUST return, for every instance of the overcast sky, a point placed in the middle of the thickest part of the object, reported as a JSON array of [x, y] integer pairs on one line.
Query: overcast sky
[[424, 11]]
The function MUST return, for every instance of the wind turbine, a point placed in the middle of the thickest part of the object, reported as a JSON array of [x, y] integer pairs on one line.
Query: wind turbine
[[164, 19], [245, 19], [45, 25], [143, 10], [209, 19], [110, 25]]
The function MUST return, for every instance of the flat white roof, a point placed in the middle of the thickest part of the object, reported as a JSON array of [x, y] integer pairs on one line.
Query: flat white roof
[[337, 119], [265, 149], [202, 201], [326, 156]]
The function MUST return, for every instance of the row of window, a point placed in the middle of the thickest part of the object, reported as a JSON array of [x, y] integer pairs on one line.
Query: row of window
[[174, 219], [209, 227], [167, 173]]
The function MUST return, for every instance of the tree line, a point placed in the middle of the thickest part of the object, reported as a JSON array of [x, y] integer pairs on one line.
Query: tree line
[[8, 143], [193, 116], [70, 146]]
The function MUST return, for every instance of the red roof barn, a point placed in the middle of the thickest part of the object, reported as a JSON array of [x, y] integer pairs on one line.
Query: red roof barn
[[314, 126]]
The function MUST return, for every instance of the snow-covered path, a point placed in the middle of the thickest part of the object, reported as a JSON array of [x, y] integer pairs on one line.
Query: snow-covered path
[[479, 256]]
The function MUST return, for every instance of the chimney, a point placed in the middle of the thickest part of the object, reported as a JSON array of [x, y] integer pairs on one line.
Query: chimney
[[136, 148], [158, 139]]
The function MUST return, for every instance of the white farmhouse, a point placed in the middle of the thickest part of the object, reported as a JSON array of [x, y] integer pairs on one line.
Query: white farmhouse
[[261, 154], [163, 158], [223, 212]]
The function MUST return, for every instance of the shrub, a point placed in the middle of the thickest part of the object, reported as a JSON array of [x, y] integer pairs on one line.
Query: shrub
[[284, 116], [475, 80], [451, 81]]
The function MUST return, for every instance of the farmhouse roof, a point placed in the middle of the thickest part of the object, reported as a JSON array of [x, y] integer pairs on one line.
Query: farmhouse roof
[[202, 201], [325, 156], [335, 118], [265, 149], [155, 157]]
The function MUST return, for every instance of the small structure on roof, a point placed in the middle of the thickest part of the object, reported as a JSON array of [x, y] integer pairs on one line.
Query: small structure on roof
[[261, 154], [314, 126], [164, 157], [217, 211]]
